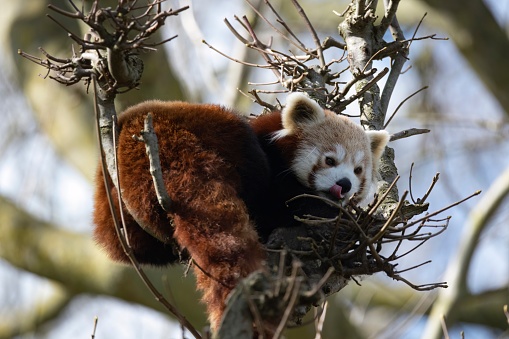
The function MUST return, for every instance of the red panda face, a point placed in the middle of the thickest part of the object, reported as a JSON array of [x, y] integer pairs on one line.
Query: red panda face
[[333, 156], [334, 171]]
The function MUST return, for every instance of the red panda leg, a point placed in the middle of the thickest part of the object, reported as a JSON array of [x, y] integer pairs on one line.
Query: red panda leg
[[222, 242]]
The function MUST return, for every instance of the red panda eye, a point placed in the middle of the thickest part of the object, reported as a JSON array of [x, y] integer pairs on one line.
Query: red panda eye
[[358, 170], [330, 161]]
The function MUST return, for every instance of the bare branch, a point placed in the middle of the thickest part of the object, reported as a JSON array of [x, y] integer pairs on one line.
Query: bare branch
[[408, 133], [149, 137], [232, 59], [115, 52], [401, 104], [96, 320], [331, 42], [366, 86], [428, 192], [391, 6], [400, 58], [297, 43], [313, 33]]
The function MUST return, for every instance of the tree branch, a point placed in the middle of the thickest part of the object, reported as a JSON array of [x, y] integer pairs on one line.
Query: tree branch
[[149, 137], [486, 56], [408, 133], [23, 322], [358, 32], [30, 244], [457, 271], [485, 308]]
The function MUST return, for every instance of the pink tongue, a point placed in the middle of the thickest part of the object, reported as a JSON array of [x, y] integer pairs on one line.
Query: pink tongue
[[336, 191]]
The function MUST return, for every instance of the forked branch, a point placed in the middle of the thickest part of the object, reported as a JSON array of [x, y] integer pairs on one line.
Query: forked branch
[[110, 48]]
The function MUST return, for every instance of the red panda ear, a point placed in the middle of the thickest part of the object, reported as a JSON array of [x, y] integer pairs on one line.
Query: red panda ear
[[300, 111], [378, 140]]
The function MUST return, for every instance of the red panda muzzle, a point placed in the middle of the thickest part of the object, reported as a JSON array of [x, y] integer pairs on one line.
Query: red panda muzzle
[[340, 188]]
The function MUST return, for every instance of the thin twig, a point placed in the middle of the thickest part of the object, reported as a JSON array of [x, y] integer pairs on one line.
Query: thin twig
[[233, 59], [320, 320], [417, 29], [295, 43], [281, 271], [379, 201], [96, 319], [408, 133], [444, 327], [356, 78], [235, 33], [342, 104], [401, 104], [410, 183], [428, 192], [313, 33], [319, 285], [423, 287], [254, 312], [289, 308], [443, 209]]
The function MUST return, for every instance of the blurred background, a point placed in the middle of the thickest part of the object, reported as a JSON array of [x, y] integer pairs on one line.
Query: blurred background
[[54, 281]]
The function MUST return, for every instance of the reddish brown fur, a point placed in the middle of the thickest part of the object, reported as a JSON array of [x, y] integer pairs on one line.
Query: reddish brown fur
[[211, 166], [264, 126], [147, 248]]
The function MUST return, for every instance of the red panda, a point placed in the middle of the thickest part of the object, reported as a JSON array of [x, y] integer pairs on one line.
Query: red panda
[[229, 181]]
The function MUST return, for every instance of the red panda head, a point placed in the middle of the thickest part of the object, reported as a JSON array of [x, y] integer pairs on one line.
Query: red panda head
[[333, 156]]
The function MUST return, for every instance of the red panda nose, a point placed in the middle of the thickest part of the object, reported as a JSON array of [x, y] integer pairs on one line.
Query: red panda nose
[[345, 184]]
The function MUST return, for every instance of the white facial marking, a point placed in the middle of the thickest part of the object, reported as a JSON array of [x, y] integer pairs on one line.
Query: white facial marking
[[304, 161], [341, 152], [359, 156]]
